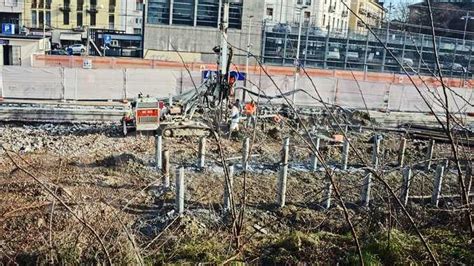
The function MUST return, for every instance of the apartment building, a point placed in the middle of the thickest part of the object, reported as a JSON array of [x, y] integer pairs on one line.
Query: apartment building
[[74, 15], [370, 11], [324, 14]]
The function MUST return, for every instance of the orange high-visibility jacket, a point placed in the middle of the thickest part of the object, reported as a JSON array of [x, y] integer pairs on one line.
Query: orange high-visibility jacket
[[250, 108]]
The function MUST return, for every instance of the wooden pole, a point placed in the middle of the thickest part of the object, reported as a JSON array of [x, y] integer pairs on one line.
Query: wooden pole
[[283, 173]]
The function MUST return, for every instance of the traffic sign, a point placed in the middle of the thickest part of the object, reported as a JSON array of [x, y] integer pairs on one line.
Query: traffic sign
[[206, 74], [107, 39], [8, 28]]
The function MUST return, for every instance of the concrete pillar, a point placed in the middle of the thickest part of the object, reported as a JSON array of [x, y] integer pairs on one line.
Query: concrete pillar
[[202, 152], [165, 170], [438, 181], [283, 173], [365, 199], [401, 152], [376, 151], [245, 154], [345, 154], [179, 202], [429, 154], [228, 187], [158, 151], [314, 158], [405, 186], [328, 191]]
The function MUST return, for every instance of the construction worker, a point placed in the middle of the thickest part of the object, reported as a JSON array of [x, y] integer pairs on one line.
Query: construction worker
[[250, 110], [234, 117]]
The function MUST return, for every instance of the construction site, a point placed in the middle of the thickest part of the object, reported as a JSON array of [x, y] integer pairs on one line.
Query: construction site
[[144, 162]]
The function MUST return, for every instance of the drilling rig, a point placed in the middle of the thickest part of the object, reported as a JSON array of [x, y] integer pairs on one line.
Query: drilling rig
[[177, 116]]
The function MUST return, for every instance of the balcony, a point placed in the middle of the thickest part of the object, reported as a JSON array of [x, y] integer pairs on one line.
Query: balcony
[[332, 9], [345, 13]]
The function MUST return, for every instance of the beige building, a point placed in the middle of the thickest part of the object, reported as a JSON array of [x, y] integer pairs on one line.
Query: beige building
[[123, 15], [371, 12]]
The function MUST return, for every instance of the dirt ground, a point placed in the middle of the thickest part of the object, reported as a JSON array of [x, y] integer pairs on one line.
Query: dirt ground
[[111, 205]]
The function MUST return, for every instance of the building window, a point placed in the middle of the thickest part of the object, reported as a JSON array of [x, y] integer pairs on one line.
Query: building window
[[269, 12], [34, 4], [324, 20], [307, 15], [92, 19], [79, 19], [235, 15], [137, 31], [66, 18], [111, 22], [66, 12], [111, 6], [183, 12], [80, 3], [33, 18], [159, 11], [207, 13], [139, 5]]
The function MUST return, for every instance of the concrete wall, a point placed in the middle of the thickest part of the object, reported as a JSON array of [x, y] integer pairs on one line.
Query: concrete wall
[[117, 84], [197, 42]]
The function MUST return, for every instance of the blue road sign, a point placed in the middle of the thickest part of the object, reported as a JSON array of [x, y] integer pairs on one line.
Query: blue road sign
[[206, 74], [8, 28], [107, 39]]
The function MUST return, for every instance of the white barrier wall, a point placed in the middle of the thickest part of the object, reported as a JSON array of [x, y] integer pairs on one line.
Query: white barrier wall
[[117, 84]]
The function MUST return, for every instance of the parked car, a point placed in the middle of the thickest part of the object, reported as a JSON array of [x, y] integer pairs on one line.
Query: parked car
[[282, 28], [77, 48]]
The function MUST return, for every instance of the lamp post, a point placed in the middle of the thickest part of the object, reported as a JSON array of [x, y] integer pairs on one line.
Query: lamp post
[[247, 59], [297, 59], [466, 18]]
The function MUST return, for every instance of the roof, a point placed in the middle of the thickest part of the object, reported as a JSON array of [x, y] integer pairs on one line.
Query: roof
[[23, 37]]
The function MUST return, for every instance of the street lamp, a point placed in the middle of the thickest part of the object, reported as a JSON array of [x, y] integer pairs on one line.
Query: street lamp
[[466, 18], [297, 59]]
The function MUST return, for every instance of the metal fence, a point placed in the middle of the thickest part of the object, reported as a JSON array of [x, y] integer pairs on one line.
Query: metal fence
[[362, 51]]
